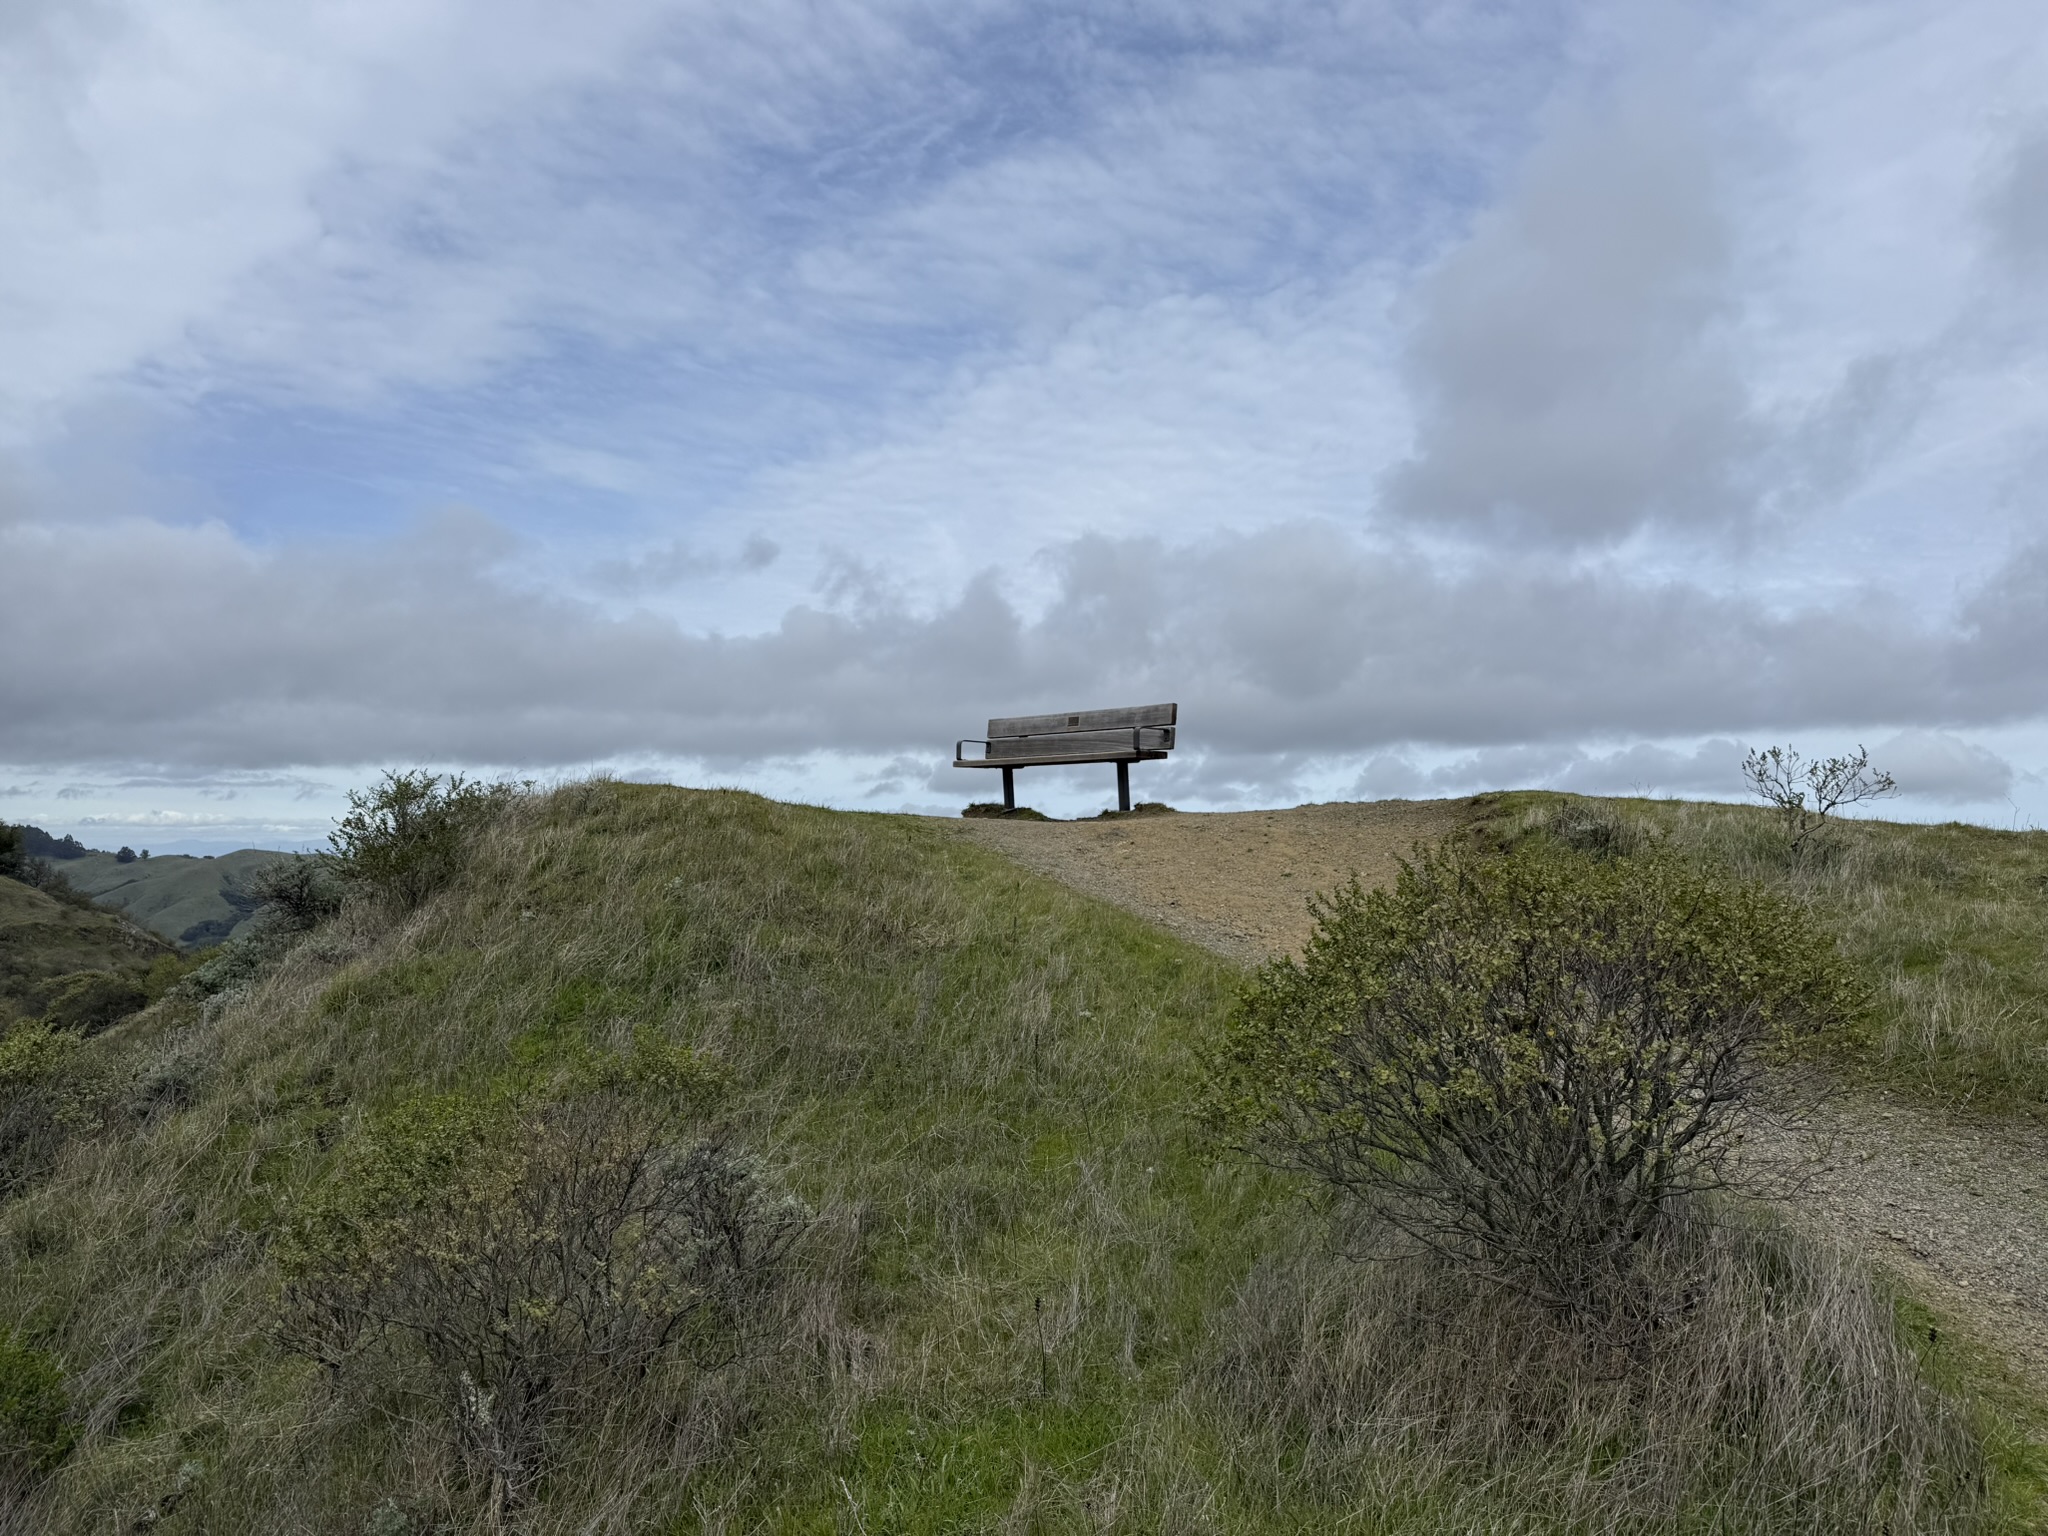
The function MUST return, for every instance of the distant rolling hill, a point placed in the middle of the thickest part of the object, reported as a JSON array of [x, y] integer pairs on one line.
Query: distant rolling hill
[[42, 938], [187, 899]]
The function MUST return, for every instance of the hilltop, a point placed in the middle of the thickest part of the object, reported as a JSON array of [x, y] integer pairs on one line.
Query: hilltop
[[1031, 1292], [1932, 1154]]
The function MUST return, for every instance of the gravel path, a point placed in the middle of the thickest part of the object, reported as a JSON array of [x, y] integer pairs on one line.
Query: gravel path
[[1959, 1208], [1237, 882]]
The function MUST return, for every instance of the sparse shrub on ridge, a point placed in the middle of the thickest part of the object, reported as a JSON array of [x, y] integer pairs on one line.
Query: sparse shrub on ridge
[[1806, 793], [287, 899], [540, 1259], [302, 890], [403, 839], [407, 836], [1526, 1063]]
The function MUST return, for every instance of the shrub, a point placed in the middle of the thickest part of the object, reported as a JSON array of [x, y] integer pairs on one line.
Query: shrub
[[538, 1259], [126, 855], [35, 1064], [11, 857], [1784, 780], [997, 810], [35, 1425], [1525, 1063], [302, 891], [407, 836], [86, 1002]]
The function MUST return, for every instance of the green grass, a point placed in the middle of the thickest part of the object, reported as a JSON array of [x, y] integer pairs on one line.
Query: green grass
[[1947, 925], [1035, 1298]]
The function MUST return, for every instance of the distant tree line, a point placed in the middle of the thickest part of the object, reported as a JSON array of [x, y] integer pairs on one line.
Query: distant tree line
[[38, 844]]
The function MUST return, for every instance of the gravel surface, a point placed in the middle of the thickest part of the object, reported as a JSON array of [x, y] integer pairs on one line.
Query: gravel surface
[[1959, 1209], [1236, 882]]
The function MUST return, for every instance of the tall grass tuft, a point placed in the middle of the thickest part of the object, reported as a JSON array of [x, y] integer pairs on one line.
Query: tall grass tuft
[[1784, 1399]]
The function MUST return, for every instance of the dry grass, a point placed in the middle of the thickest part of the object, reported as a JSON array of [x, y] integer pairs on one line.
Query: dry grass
[[1034, 1300], [1781, 1402]]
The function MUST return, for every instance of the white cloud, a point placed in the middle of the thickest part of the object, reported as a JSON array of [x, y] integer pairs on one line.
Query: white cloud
[[1489, 391], [1296, 639], [1943, 767], [1573, 378]]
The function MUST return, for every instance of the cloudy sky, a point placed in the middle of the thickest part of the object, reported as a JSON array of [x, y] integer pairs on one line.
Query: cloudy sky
[[1429, 397]]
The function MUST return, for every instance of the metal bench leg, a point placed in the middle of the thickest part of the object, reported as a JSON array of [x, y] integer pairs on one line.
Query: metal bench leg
[[1009, 789], [1123, 786]]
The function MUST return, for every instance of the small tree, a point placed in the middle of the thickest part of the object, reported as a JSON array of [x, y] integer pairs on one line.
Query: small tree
[[125, 856], [406, 837], [1523, 1063], [1784, 780]]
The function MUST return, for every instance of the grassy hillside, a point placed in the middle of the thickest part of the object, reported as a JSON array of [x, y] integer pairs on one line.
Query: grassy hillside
[[1033, 1296], [42, 938], [1948, 926], [189, 900]]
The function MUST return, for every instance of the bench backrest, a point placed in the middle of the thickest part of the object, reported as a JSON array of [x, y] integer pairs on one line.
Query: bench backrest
[[1083, 731]]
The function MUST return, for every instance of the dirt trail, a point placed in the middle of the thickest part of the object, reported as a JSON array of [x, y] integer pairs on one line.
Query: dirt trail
[[1237, 882], [1959, 1208]]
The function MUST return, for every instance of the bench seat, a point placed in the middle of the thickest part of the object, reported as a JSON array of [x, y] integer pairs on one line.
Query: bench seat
[[1141, 733]]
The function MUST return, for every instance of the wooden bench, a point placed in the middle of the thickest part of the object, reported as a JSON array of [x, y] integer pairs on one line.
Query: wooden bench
[[1120, 736]]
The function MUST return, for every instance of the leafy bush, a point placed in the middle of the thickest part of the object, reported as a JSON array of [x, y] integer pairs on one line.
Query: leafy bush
[[302, 891], [407, 836], [538, 1259], [35, 1427], [86, 1002], [1525, 1063], [997, 810], [35, 1063]]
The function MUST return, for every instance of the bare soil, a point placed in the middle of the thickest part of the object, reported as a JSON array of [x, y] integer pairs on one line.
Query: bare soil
[[1960, 1209], [1236, 882]]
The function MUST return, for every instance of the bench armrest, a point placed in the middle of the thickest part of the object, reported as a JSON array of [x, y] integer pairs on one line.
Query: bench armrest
[[960, 755]]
